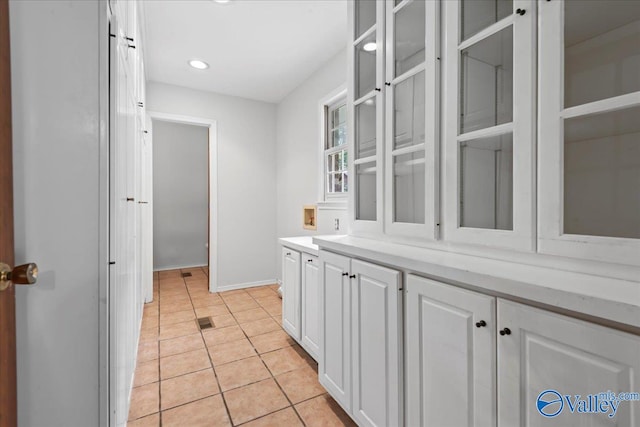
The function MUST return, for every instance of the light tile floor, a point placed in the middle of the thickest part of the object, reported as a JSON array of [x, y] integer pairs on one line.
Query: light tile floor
[[245, 371]]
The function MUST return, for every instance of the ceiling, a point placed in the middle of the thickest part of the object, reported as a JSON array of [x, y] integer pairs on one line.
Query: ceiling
[[257, 49]]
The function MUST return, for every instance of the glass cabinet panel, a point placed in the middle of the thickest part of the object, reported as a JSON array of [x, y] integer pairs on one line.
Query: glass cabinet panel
[[602, 174], [409, 112], [365, 130], [366, 192], [365, 16], [486, 183], [365, 58], [601, 50], [409, 37], [479, 14], [486, 92], [409, 188]]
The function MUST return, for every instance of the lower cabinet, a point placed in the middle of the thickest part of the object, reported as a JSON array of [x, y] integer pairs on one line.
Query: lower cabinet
[[361, 339], [291, 280], [310, 308], [473, 359]]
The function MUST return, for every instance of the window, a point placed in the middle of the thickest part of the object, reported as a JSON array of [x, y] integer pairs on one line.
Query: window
[[335, 150]]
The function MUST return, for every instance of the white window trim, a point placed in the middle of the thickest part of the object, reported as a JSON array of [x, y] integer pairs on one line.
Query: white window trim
[[335, 201]]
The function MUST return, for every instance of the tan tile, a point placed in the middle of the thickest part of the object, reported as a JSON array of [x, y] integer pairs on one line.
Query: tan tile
[[192, 270], [172, 307], [255, 400], [181, 345], [273, 299], [274, 310], [184, 363], [150, 323], [181, 298], [212, 310], [178, 329], [202, 413], [232, 292], [301, 384], [144, 401], [222, 335], [323, 411], [287, 359], [167, 274], [242, 306], [148, 421], [230, 352], [278, 320], [197, 278], [242, 372], [187, 388], [149, 335], [224, 321], [272, 341], [176, 317], [250, 315], [146, 373], [263, 291], [258, 327], [147, 350], [205, 301], [237, 297], [286, 417]]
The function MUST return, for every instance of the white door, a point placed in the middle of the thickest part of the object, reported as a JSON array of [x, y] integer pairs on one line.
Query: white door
[[310, 305], [334, 369], [450, 345], [376, 312], [546, 360], [291, 292]]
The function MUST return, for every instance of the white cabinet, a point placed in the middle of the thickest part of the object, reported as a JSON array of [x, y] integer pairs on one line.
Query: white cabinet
[[310, 306], [361, 339], [450, 350], [291, 320], [456, 350]]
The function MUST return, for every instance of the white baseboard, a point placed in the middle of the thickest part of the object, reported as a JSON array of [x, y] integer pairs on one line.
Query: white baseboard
[[246, 285], [179, 267]]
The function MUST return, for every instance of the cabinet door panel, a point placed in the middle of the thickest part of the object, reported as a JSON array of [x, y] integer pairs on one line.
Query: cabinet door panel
[[334, 367], [448, 355], [548, 351], [310, 305], [377, 343], [291, 292]]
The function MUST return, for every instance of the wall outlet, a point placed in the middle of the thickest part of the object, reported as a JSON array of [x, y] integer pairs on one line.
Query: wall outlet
[[336, 224]]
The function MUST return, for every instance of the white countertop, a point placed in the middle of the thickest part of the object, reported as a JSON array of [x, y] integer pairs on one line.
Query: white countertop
[[301, 243], [611, 299]]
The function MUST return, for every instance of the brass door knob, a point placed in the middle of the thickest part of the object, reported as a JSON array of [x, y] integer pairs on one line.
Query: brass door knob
[[26, 274]]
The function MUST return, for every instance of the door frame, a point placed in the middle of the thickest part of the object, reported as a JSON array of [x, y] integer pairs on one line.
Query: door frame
[[212, 126]]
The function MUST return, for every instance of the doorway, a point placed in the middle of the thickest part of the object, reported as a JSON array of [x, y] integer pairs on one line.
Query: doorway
[[184, 195]]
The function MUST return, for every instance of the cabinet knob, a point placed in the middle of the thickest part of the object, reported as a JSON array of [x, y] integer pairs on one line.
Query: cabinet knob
[[505, 331], [345, 274], [288, 253], [309, 260], [387, 83], [353, 276], [521, 12], [481, 324], [378, 89]]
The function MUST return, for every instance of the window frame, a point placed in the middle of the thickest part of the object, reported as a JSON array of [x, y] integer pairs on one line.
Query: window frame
[[328, 104]]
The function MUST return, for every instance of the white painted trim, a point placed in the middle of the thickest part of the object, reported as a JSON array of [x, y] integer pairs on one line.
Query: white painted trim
[[247, 285], [332, 97], [178, 268], [213, 183]]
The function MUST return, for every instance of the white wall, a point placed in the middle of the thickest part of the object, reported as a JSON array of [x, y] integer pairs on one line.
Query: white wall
[[57, 159], [298, 152], [246, 177], [180, 195]]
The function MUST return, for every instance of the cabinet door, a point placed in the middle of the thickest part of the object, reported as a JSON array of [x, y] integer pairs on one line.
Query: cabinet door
[[589, 94], [376, 316], [334, 368], [450, 345], [310, 305], [365, 115], [489, 126], [291, 292], [564, 357]]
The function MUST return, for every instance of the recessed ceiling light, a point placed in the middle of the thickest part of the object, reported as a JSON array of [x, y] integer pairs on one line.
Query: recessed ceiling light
[[200, 65], [222, 1], [369, 47]]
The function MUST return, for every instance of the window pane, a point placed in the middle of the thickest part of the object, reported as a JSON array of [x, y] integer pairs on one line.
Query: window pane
[[337, 183], [486, 183], [602, 174], [345, 182], [408, 188], [338, 137], [480, 14], [486, 87], [365, 117], [409, 36], [365, 66], [365, 16], [366, 191], [342, 114], [409, 114], [602, 50]]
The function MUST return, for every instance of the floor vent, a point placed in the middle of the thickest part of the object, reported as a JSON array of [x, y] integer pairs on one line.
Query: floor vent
[[186, 274], [204, 323]]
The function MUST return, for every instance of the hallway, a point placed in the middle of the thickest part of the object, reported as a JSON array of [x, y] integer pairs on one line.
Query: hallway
[[245, 370]]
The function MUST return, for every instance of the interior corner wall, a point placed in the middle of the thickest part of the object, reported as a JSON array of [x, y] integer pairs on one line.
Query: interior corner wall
[[56, 117], [246, 170], [298, 151]]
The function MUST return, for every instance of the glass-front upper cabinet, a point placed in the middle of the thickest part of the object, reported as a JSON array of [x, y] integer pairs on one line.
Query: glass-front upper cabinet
[[366, 113], [589, 134], [489, 122], [411, 123]]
